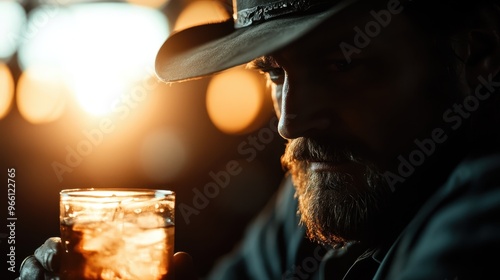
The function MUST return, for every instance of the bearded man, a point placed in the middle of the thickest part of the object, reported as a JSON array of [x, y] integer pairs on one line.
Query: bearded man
[[391, 113]]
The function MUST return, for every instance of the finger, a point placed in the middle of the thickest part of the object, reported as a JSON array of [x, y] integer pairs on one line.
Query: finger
[[49, 254], [31, 269], [184, 267]]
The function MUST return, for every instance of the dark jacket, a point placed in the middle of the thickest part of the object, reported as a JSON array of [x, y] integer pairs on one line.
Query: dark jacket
[[453, 234]]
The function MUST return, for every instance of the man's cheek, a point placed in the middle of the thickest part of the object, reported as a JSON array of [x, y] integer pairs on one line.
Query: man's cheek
[[276, 94]]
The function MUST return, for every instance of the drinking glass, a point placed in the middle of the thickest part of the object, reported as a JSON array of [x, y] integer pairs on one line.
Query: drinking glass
[[111, 233]]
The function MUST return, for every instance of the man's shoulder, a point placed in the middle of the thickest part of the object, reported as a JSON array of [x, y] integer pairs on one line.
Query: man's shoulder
[[478, 171], [456, 230], [474, 177]]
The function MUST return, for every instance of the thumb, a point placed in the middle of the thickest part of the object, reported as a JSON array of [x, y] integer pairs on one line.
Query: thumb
[[184, 267]]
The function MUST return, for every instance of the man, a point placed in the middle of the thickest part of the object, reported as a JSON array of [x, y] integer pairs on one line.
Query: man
[[391, 111]]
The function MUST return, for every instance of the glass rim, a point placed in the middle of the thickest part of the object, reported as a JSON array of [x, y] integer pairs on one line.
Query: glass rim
[[117, 192]]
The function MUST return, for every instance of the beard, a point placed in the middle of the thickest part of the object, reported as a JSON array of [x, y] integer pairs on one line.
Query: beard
[[339, 204]]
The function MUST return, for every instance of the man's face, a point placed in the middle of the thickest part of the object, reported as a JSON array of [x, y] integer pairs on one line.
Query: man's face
[[348, 122]]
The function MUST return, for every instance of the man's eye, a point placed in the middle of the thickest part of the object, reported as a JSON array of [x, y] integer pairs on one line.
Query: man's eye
[[269, 66], [276, 75]]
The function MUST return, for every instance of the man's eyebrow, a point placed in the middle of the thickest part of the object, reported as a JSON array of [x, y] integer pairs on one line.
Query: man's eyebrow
[[263, 63]]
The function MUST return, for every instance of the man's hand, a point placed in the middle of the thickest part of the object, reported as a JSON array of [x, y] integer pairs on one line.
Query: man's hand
[[45, 263]]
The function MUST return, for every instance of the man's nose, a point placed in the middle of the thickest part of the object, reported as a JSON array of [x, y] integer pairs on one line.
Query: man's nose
[[303, 112]]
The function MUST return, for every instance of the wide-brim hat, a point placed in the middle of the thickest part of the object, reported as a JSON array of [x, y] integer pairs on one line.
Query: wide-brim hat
[[258, 28]]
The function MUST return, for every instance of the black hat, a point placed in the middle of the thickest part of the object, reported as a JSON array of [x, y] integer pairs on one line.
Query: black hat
[[259, 28]]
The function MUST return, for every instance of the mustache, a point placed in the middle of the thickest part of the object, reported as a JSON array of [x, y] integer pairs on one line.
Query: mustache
[[317, 150]]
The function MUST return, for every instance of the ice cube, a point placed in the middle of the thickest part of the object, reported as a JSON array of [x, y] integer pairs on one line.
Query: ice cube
[[150, 220]]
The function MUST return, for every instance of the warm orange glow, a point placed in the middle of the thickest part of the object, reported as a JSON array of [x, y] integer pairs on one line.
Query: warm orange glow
[[41, 95], [102, 48], [200, 12], [235, 99], [149, 3], [162, 155], [6, 90]]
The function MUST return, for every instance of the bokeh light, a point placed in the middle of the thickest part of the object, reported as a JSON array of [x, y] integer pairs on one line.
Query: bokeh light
[[149, 3], [6, 90], [200, 12], [235, 99], [162, 155], [103, 48], [41, 96], [12, 21]]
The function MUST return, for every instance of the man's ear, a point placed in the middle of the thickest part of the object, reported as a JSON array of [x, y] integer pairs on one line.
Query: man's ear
[[483, 55]]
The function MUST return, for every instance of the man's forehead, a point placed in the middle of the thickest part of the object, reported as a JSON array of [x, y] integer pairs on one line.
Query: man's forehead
[[341, 27], [348, 26]]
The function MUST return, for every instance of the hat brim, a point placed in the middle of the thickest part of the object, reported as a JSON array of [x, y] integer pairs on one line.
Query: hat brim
[[208, 49]]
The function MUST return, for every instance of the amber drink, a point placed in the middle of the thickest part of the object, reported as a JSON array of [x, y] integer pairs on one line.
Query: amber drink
[[117, 234]]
